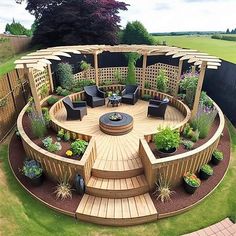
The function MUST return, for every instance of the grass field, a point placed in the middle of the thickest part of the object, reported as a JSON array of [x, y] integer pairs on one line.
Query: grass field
[[22, 215], [220, 48]]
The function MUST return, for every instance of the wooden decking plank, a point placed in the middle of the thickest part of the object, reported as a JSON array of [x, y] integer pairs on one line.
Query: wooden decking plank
[[103, 208], [111, 208], [132, 207], [150, 203], [89, 205], [118, 208], [125, 208], [96, 206], [140, 208], [82, 203], [144, 205]]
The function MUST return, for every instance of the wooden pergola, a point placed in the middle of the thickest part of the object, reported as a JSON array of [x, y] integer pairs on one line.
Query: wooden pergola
[[40, 60]]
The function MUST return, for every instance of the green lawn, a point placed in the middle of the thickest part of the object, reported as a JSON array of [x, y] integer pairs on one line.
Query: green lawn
[[20, 214], [220, 48]]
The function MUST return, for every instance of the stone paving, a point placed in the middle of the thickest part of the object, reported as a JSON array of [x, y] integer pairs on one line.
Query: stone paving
[[223, 228]]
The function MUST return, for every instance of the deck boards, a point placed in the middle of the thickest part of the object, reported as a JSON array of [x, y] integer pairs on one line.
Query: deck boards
[[117, 154], [110, 211]]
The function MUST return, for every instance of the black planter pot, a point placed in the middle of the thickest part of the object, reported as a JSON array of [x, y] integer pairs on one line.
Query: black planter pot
[[37, 181], [165, 153], [215, 161], [79, 184], [189, 189], [203, 175]]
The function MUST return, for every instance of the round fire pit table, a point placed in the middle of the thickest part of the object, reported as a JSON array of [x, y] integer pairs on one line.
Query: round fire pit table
[[116, 123]]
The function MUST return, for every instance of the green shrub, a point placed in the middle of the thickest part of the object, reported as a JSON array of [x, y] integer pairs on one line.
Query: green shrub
[[59, 90], [195, 136], [45, 109], [60, 133], [188, 144], [84, 66], [78, 147], [218, 155], [203, 121], [131, 77], [44, 90], [52, 100], [206, 101], [146, 97], [65, 76], [147, 85], [38, 127], [46, 117], [50, 146], [189, 86], [162, 81], [118, 77], [167, 139], [67, 136], [207, 169], [65, 92], [29, 109]]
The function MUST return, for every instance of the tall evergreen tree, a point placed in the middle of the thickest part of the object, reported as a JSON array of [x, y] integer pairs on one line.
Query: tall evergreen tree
[[136, 33], [17, 28], [68, 22]]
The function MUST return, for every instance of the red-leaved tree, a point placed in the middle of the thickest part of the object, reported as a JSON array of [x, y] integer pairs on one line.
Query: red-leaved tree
[[68, 22]]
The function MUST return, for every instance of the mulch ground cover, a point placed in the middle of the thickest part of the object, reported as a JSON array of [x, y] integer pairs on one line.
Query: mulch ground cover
[[180, 199]]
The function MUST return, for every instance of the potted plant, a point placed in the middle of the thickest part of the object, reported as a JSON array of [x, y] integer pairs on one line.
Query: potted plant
[[78, 148], [33, 171], [205, 172], [217, 157], [191, 182], [167, 141]]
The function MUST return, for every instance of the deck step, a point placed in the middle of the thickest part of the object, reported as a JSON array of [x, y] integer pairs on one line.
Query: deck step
[[117, 212], [117, 188], [117, 169]]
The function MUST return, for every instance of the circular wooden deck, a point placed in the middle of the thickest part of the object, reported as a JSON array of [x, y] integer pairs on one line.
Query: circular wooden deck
[[119, 153]]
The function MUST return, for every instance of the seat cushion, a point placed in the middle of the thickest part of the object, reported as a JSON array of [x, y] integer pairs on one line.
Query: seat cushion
[[129, 95], [97, 99]]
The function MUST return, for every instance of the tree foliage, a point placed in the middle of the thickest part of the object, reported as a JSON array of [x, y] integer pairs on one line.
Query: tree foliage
[[131, 78], [17, 28], [136, 33], [68, 22]]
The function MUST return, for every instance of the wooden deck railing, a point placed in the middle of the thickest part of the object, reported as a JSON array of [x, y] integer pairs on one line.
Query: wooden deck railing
[[172, 168]]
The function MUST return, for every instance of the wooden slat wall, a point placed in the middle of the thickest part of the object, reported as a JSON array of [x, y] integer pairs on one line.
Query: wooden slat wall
[[56, 166], [173, 168], [14, 87]]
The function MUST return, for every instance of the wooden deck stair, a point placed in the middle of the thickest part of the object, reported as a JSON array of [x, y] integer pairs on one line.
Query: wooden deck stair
[[117, 188], [117, 212]]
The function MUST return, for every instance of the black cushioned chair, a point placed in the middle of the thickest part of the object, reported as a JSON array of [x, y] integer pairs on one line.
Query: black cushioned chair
[[94, 96], [130, 94], [75, 110], [157, 108]]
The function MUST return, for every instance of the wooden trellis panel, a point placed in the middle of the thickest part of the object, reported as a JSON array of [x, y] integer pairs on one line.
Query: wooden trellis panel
[[106, 75], [170, 71], [90, 74], [41, 78]]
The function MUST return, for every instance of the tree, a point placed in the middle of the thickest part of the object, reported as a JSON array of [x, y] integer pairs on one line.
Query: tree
[[131, 78], [17, 29], [227, 31], [68, 22], [136, 33]]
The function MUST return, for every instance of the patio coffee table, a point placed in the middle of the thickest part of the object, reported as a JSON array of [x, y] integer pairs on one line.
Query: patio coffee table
[[122, 125], [114, 100]]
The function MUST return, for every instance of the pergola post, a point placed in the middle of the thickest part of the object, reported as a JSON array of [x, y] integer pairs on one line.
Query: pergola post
[[193, 70], [50, 78], [95, 55], [199, 89], [179, 77], [34, 93], [144, 72]]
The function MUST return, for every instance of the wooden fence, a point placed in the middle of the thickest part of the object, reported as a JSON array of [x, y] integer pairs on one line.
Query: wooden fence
[[14, 92]]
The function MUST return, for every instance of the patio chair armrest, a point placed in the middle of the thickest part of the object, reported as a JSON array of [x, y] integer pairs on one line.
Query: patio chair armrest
[[123, 92], [79, 104], [155, 102], [101, 93]]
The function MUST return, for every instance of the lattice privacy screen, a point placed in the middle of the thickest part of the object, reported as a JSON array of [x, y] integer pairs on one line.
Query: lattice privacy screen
[[41, 78], [107, 75]]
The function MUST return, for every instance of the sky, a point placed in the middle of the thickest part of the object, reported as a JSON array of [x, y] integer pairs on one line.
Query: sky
[[156, 15]]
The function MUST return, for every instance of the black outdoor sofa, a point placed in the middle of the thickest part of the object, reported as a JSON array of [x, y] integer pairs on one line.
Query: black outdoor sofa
[[75, 110], [94, 97], [130, 94], [157, 108]]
